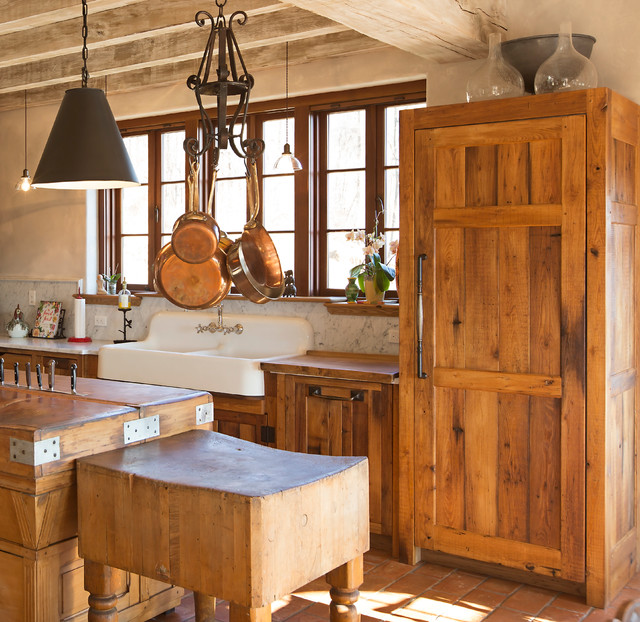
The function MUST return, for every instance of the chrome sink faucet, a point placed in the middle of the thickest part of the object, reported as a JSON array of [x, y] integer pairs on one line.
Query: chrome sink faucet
[[212, 327]]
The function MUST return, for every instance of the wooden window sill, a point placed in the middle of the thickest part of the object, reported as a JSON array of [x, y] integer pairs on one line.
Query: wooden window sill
[[107, 299], [386, 309]]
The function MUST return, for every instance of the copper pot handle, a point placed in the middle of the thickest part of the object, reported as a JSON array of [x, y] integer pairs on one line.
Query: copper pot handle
[[212, 192], [253, 193], [192, 182]]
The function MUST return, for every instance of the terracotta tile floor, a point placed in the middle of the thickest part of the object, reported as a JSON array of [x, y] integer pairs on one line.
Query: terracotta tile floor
[[395, 592]]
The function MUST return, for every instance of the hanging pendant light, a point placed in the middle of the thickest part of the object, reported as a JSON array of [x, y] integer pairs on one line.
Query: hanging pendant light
[[287, 162], [85, 149], [24, 183]]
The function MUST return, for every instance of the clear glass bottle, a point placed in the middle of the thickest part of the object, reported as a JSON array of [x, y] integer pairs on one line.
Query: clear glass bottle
[[566, 69], [495, 78], [124, 296]]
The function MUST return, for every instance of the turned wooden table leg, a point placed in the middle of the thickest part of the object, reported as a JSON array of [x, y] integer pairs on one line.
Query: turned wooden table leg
[[345, 581], [205, 607], [102, 583], [238, 613]]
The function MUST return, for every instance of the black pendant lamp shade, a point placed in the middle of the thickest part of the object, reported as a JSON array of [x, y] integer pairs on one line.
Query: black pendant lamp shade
[[85, 149]]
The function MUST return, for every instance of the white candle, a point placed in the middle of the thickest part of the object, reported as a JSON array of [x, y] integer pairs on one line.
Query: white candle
[[78, 318]]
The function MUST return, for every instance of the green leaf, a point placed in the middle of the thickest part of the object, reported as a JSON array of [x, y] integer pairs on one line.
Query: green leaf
[[382, 281], [390, 272], [356, 270], [361, 282]]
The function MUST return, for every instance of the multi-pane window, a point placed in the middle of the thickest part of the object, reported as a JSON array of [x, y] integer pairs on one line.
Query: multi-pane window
[[143, 216], [351, 168], [278, 192]]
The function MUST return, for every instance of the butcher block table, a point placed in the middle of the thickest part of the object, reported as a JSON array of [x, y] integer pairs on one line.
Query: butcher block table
[[225, 518], [42, 433]]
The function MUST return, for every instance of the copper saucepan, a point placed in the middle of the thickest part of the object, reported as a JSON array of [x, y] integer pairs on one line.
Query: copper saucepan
[[252, 260], [195, 234], [193, 285]]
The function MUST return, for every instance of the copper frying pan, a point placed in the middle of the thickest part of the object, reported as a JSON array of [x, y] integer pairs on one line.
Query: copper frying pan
[[195, 234], [252, 260], [193, 285]]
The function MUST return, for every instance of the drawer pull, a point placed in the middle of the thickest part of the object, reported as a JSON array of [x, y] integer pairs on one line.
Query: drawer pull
[[356, 395]]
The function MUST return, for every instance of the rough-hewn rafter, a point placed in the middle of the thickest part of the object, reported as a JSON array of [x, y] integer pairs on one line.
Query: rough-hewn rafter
[[437, 30]]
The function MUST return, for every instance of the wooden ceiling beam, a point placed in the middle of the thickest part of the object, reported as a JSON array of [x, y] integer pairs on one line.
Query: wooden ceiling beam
[[119, 25], [436, 30], [261, 57], [28, 14], [289, 24]]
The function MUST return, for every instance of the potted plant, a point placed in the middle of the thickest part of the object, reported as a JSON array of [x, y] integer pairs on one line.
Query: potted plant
[[374, 276], [111, 281]]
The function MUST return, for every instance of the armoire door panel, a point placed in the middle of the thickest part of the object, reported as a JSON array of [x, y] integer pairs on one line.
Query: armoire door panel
[[502, 335]]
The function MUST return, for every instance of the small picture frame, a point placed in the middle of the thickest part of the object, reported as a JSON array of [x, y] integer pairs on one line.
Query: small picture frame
[[47, 319]]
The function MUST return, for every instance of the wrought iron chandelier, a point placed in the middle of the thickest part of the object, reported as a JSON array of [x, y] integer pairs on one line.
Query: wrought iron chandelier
[[229, 82]]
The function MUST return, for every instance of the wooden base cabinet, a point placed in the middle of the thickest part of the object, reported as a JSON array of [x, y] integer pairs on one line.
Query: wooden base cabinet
[[519, 336], [341, 405], [87, 363]]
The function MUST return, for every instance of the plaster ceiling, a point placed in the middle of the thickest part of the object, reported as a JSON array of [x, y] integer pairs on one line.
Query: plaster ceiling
[[146, 43]]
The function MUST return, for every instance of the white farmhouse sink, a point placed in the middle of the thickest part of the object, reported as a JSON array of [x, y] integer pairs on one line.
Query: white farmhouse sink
[[175, 354]]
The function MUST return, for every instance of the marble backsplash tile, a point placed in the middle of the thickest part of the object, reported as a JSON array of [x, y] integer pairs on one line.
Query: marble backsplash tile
[[338, 333]]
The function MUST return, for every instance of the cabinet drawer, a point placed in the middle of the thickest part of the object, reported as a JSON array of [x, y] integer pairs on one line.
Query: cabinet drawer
[[63, 363]]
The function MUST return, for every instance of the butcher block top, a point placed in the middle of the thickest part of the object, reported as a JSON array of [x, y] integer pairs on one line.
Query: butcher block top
[[43, 432], [345, 365]]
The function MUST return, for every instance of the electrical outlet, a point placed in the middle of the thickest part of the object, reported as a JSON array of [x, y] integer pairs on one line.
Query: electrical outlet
[[100, 320], [393, 335], [32, 297]]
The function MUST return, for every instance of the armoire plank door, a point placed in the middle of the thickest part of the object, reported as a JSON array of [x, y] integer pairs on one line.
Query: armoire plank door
[[500, 436]]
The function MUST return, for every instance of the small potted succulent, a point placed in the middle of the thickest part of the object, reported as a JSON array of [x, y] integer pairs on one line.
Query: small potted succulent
[[110, 281]]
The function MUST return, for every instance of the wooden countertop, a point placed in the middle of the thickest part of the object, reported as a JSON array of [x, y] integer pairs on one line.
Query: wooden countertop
[[345, 365]]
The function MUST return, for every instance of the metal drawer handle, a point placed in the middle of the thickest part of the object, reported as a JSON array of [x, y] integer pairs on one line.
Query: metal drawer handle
[[356, 395]]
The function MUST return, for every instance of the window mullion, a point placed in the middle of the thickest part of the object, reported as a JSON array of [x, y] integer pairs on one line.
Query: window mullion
[[303, 230]]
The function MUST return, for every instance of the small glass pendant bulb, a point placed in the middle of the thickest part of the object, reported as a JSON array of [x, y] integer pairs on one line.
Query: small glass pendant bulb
[[287, 162], [495, 78], [566, 69], [24, 183]]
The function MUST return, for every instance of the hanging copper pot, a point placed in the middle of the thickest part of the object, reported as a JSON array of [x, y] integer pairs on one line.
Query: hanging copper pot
[[253, 260], [193, 285], [195, 234]]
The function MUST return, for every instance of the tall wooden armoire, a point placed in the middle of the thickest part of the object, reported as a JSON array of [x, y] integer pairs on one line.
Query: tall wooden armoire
[[519, 336]]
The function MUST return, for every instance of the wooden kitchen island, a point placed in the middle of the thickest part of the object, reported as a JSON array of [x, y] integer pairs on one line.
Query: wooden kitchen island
[[42, 433]]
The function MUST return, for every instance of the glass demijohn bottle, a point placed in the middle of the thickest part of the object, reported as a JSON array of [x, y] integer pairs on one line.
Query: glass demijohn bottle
[[495, 78], [566, 69]]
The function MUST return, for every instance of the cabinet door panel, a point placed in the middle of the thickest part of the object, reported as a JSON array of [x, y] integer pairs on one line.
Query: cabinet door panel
[[500, 454], [342, 418]]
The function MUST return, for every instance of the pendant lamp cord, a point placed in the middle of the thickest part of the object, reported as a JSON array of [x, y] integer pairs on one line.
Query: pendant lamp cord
[[85, 51], [286, 91], [25, 129]]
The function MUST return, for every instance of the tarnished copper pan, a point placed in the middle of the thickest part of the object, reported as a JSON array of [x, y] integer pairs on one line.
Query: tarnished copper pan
[[253, 260], [195, 234], [191, 285]]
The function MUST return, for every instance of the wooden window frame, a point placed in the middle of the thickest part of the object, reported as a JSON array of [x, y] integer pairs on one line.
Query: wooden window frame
[[310, 204]]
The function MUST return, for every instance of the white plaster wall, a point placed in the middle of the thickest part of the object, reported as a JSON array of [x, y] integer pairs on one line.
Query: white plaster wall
[[616, 54]]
